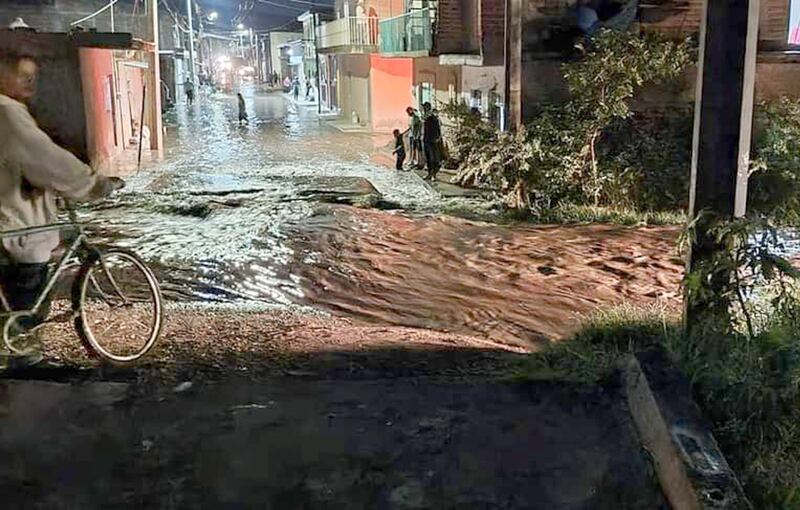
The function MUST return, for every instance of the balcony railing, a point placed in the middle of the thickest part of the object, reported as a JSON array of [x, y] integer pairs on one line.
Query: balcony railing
[[409, 33], [356, 34]]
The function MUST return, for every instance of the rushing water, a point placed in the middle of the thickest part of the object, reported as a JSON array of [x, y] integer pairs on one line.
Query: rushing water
[[232, 216]]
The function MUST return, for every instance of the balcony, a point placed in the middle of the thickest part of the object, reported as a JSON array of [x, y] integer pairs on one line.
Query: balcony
[[348, 35], [409, 35]]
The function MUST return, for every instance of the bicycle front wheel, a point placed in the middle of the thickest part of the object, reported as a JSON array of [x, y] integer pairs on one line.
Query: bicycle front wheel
[[119, 306]]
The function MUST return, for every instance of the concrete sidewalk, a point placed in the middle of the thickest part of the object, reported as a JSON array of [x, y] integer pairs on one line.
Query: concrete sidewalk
[[297, 443]]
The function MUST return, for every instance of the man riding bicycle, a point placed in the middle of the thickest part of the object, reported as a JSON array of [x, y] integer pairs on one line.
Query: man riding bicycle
[[33, 171]]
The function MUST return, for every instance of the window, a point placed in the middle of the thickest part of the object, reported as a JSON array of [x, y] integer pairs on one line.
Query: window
[[794, 23]]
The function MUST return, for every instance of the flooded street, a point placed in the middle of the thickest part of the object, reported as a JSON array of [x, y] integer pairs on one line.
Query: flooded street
[[240, 216]]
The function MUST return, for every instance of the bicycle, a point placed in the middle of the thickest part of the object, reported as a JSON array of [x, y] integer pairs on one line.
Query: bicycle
[[100, 306]]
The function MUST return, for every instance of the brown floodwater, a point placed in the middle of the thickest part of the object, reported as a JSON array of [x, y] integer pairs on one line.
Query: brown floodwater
[[518, 285], [231, 218]]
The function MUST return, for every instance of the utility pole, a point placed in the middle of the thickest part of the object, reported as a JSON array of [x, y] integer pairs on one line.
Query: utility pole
[[111, 8], [513, 64], [153, 81], [722, 129], [191, 40], [200, 57]]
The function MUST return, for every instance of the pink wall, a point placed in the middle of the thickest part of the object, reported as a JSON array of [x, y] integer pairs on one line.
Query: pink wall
[[97, 68], [391, 80]]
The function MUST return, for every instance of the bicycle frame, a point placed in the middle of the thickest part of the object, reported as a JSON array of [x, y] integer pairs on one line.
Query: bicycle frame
[[69, 255]]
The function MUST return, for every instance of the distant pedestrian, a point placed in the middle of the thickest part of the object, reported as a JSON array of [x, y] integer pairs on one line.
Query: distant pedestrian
[[296, 89], [242, 109], [399, 149], [414, 135], [431, 140], [188, 89]]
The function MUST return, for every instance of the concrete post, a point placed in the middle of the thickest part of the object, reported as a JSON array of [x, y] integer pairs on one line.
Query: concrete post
[[723, 122], [190, 17], [154, 81], [513, 64]]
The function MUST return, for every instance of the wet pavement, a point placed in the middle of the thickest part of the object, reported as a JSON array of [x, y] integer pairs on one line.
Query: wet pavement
[[294, 443], [240, 215]]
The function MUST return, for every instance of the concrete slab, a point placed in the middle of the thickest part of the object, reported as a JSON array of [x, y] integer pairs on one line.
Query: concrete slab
[[290, 443]]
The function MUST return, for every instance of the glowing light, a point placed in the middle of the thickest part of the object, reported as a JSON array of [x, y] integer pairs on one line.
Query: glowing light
[[240, 26], [213, 16]]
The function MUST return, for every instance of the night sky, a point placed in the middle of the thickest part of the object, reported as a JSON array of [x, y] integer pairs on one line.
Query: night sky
[[256, 14]]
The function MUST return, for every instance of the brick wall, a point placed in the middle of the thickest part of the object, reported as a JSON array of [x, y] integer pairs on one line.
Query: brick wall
[[458, 30], [493, 14], [678, 18]]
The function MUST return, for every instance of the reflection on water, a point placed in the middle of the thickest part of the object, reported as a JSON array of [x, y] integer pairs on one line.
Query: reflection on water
[[230, 216]]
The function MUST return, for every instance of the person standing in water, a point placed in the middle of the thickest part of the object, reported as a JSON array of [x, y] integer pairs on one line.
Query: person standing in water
[[188, 88], [242, 109]]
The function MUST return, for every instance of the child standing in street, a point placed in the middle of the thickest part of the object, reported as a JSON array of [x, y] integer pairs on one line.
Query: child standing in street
[[399, 149]]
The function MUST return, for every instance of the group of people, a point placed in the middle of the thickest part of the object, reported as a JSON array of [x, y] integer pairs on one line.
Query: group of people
[[426, 145]]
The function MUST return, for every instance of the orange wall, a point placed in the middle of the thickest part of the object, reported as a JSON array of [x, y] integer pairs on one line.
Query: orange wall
[[96, 67], [391, 81]]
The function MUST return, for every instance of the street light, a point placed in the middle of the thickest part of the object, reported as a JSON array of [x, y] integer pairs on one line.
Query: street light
[[213, 15], [240, 26]]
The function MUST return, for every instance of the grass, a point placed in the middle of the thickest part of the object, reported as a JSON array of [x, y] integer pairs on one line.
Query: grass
[[749, 390], [573, 213], [562, 214]]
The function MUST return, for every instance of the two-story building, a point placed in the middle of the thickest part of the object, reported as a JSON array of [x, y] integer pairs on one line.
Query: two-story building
[[380, 56]]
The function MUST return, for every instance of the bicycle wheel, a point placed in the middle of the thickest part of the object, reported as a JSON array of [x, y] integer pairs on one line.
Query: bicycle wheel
[[119, 307]]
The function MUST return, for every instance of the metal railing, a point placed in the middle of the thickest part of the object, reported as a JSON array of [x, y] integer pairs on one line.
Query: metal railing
[[410, 32], [355, 31]]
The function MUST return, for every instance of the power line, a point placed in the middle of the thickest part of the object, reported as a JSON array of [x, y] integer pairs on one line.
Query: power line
[[313, 4], [282, 6]]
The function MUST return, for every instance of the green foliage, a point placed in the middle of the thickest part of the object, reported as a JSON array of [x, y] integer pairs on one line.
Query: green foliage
[[648, 162], [774, 186], [563, 160], [614, 65], [465, 132]]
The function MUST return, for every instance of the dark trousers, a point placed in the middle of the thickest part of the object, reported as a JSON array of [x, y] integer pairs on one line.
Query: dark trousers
[[401, 157], [22, 286], [432, 158]]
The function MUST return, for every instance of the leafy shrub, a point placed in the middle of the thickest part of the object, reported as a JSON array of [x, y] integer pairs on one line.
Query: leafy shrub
[[774, 186], [614, 65], [563, 158], [465, 131], [648, 159]]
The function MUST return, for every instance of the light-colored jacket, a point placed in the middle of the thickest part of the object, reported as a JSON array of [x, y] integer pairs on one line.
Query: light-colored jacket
[[33, 170]]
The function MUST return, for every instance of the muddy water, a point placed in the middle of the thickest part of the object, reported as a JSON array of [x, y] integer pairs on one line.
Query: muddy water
[[230, 216]]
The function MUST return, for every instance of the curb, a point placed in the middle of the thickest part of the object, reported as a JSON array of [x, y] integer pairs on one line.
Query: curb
[[692, 471]]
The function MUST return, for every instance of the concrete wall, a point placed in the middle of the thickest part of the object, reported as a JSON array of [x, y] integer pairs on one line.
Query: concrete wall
[[375, 8], [446, 80], [391, 82], [102, 136], [484, 78], [354, 87]]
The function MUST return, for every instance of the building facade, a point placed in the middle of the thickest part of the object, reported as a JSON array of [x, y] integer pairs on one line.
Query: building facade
[[377, 58]]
